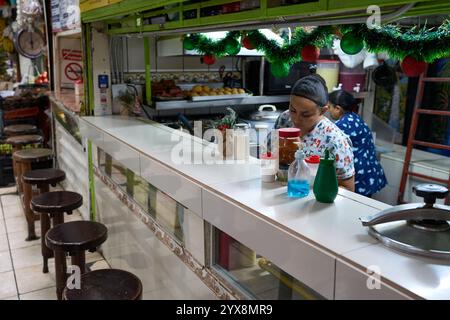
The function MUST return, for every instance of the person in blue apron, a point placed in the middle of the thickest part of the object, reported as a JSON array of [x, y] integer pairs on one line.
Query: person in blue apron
[[370, 177]]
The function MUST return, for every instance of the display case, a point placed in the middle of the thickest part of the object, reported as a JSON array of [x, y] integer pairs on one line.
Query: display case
[[253, 274], [70, 152], [161, 207], [68, 120]]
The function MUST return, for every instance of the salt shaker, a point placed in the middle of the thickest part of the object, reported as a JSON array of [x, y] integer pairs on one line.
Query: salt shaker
[[269, 166]]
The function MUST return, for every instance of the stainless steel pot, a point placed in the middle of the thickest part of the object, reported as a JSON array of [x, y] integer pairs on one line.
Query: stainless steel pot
[[263, 120], [266, 114]]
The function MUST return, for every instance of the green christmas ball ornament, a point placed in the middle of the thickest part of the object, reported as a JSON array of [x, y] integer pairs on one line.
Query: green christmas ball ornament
[[232, 47], [280, 69], [351, 43], [188, 44]]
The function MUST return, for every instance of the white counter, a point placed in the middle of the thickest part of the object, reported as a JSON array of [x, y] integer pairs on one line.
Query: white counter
[[323, 245]]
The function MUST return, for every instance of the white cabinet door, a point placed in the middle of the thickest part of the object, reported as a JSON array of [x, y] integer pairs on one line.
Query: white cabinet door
[[354, 284], [305, 262], [172, 183]]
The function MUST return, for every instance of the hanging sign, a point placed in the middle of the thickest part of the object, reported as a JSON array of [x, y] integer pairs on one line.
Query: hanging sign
[[56, 16], [65, 15]]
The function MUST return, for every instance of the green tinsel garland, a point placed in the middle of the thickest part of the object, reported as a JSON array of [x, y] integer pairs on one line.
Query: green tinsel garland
[[290, 52], [423, 45], [217, 48]]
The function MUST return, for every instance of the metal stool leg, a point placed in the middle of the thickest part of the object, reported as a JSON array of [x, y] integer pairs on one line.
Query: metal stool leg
[[57, 219], [17, 170], [46, 252], [79, 259], [45, 226], [27, 194]]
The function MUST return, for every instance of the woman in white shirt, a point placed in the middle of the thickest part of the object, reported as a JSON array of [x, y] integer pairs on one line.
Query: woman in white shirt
[[308, 104]]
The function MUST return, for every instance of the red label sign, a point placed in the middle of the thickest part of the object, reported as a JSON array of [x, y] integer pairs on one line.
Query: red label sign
[[73, 55]]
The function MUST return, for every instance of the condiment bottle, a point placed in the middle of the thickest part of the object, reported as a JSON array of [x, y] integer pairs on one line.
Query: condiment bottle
[[241, 142], [326, 184], [313, 164], [298, 177], [269, 167]]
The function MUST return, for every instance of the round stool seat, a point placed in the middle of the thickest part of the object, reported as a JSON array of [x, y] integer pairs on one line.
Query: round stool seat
[[33, 155], [106, 284], [76, 236], [56, 201], [44, 176], [24, 140], [20, 129]]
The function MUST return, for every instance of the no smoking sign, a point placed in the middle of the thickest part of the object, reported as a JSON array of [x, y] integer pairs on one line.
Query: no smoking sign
[[73, 71]]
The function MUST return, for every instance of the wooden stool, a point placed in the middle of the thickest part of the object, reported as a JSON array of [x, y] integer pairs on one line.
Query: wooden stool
[[73, 238], [19, 130], [24, 159], [107, 284], [43, 178], [17, 143]]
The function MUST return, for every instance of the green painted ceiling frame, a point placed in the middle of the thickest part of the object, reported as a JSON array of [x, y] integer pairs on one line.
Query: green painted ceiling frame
[[125, 7], [430, 8], [271, 14], [115, 13]]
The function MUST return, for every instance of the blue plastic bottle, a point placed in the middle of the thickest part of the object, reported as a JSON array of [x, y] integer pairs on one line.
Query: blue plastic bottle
[[299, 177]]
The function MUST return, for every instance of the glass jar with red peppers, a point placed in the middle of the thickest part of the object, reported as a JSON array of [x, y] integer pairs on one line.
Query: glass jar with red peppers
[[289, 142]]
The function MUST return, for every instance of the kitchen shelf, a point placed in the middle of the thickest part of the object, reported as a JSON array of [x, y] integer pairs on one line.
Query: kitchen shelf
[[76, 32], [185, 104]]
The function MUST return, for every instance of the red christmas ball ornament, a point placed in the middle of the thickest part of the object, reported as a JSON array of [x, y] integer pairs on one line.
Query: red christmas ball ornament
[[247, 44], [413, 68], [209, 59], [310, 53]]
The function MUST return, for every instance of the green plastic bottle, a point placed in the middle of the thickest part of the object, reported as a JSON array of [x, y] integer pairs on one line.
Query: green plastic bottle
[[326, 184]]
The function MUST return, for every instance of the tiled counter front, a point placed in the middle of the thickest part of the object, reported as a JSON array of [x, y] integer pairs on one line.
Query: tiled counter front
[[151, 233], [71, 156], [237, 245], [137, 245]]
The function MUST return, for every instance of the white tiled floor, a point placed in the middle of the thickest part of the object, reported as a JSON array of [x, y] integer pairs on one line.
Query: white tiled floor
[[21, 276], [163, 274], [42, 294]]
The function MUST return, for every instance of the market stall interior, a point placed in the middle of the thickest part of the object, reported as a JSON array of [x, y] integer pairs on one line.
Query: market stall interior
[[162, 120]]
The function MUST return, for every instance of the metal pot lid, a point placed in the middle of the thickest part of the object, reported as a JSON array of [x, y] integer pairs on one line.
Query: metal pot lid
[[262, 115], [420, 229]]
